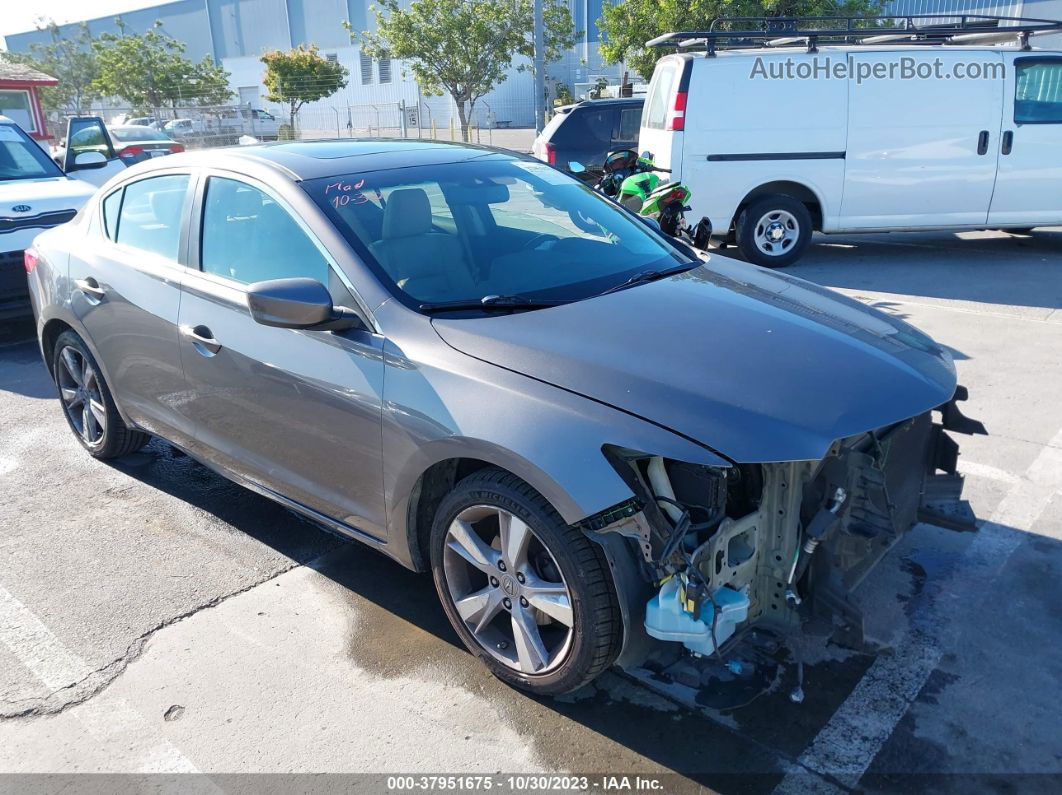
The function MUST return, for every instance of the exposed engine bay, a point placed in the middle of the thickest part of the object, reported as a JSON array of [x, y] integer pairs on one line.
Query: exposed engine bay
[[781, 546]]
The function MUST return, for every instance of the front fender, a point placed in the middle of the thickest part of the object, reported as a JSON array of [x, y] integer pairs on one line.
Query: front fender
[[461, 407]]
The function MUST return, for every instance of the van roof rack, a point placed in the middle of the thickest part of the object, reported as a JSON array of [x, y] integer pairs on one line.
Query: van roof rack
[[729, 33]]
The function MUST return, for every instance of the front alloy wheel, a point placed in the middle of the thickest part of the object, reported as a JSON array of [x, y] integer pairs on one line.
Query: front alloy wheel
[[508, 590], [527, 593]]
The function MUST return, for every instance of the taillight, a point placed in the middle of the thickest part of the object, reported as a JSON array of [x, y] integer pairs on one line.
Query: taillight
[[175, 148], [551, 154], [676, 117], [30, 258], [131, 152]]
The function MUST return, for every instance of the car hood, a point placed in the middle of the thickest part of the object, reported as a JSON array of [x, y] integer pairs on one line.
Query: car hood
[[43, 195], [757, 365]]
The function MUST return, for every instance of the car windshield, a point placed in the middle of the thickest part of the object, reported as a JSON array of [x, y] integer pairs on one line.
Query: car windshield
[[489, 227], [22, 158], [126, 134]]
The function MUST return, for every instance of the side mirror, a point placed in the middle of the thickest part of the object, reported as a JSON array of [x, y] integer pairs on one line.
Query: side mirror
[[89, 160], [298, 303], [576, 167]]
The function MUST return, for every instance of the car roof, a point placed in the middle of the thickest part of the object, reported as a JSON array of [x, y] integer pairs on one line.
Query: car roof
[[597, 103], [303, 160]]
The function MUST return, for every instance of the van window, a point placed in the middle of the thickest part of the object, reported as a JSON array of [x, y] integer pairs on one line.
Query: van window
[[1038, 91], [655, 114], [151, 214]]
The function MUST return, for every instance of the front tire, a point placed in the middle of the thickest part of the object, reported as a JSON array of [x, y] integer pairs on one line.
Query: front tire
[[529, 595], [87, 402], [774, 230]]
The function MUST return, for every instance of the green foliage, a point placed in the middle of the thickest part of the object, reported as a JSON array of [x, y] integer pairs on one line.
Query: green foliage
[[72, 61], [300, 75], [464, 47], [626, 27], [149, 70], [564, 95]]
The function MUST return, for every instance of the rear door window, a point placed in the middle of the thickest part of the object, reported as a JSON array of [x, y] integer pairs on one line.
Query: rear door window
[[589, 128], [655, 113], [630, 118], [151, 214], [111, 205]]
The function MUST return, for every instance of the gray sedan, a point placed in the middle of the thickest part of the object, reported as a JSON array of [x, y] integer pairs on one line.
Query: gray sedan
[[606, 447]]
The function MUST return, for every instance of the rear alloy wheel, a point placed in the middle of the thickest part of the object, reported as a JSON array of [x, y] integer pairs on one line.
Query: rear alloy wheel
[[87, 401], [774, 231], [529, 595]]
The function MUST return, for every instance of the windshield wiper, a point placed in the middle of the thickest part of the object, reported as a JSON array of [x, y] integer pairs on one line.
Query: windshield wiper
[[648, 276], [490, 303]]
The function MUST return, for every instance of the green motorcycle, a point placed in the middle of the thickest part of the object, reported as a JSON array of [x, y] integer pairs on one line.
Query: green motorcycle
[[634, 181]]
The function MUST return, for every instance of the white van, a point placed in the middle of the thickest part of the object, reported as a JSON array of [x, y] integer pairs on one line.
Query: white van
[[773, 147]]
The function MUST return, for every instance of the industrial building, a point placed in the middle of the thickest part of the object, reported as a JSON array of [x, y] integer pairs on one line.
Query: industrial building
[[237, 32]]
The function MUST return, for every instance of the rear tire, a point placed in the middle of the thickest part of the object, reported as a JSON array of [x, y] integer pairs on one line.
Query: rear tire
[[774, 231], [560, 569], [87, 402]]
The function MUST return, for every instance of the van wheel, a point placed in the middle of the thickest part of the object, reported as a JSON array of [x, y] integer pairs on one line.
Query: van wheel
[[773, 231], [529, 595]]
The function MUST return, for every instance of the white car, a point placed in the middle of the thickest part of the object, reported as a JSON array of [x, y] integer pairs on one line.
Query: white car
[[35, 194], [775, 142]]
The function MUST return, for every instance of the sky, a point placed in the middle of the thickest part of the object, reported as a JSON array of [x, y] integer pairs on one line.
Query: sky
[[22, 15]]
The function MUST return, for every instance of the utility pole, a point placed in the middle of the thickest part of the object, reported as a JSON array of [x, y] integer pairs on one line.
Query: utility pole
[[540, 73]]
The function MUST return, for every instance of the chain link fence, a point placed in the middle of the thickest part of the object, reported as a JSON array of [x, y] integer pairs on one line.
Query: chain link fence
[[199, 127]]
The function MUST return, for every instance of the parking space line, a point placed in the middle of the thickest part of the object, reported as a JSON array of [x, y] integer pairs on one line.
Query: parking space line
[[115, 724], [988, 471], [36, 646], [846, 746]]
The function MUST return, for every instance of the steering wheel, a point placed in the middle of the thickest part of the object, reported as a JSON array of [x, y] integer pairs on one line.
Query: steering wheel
[[538, 240]]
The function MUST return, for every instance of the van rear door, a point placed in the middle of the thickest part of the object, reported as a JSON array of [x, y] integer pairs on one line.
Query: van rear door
[[664, 113]]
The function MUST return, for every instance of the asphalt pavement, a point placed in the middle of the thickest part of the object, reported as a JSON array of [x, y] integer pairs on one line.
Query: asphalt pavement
[[155, 618]]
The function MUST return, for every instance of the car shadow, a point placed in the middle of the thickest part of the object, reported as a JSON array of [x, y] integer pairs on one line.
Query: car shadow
[[399, 631], [22, 371], [402, 631], [991, 268]]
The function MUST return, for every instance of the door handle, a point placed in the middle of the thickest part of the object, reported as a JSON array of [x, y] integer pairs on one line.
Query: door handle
[[1008, 142], [91, 288], [202, 340], [982, 142]]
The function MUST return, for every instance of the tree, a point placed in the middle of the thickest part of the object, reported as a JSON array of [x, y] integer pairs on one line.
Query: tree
[[70, 60], [149, 71], [464, 47], [627, 26], [299, 76], [208, 83]]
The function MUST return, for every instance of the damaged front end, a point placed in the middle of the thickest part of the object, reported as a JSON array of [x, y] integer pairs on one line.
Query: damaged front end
[[779, 545]]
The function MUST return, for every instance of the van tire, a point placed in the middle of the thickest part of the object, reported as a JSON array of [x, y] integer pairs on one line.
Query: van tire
[[768, 216]]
